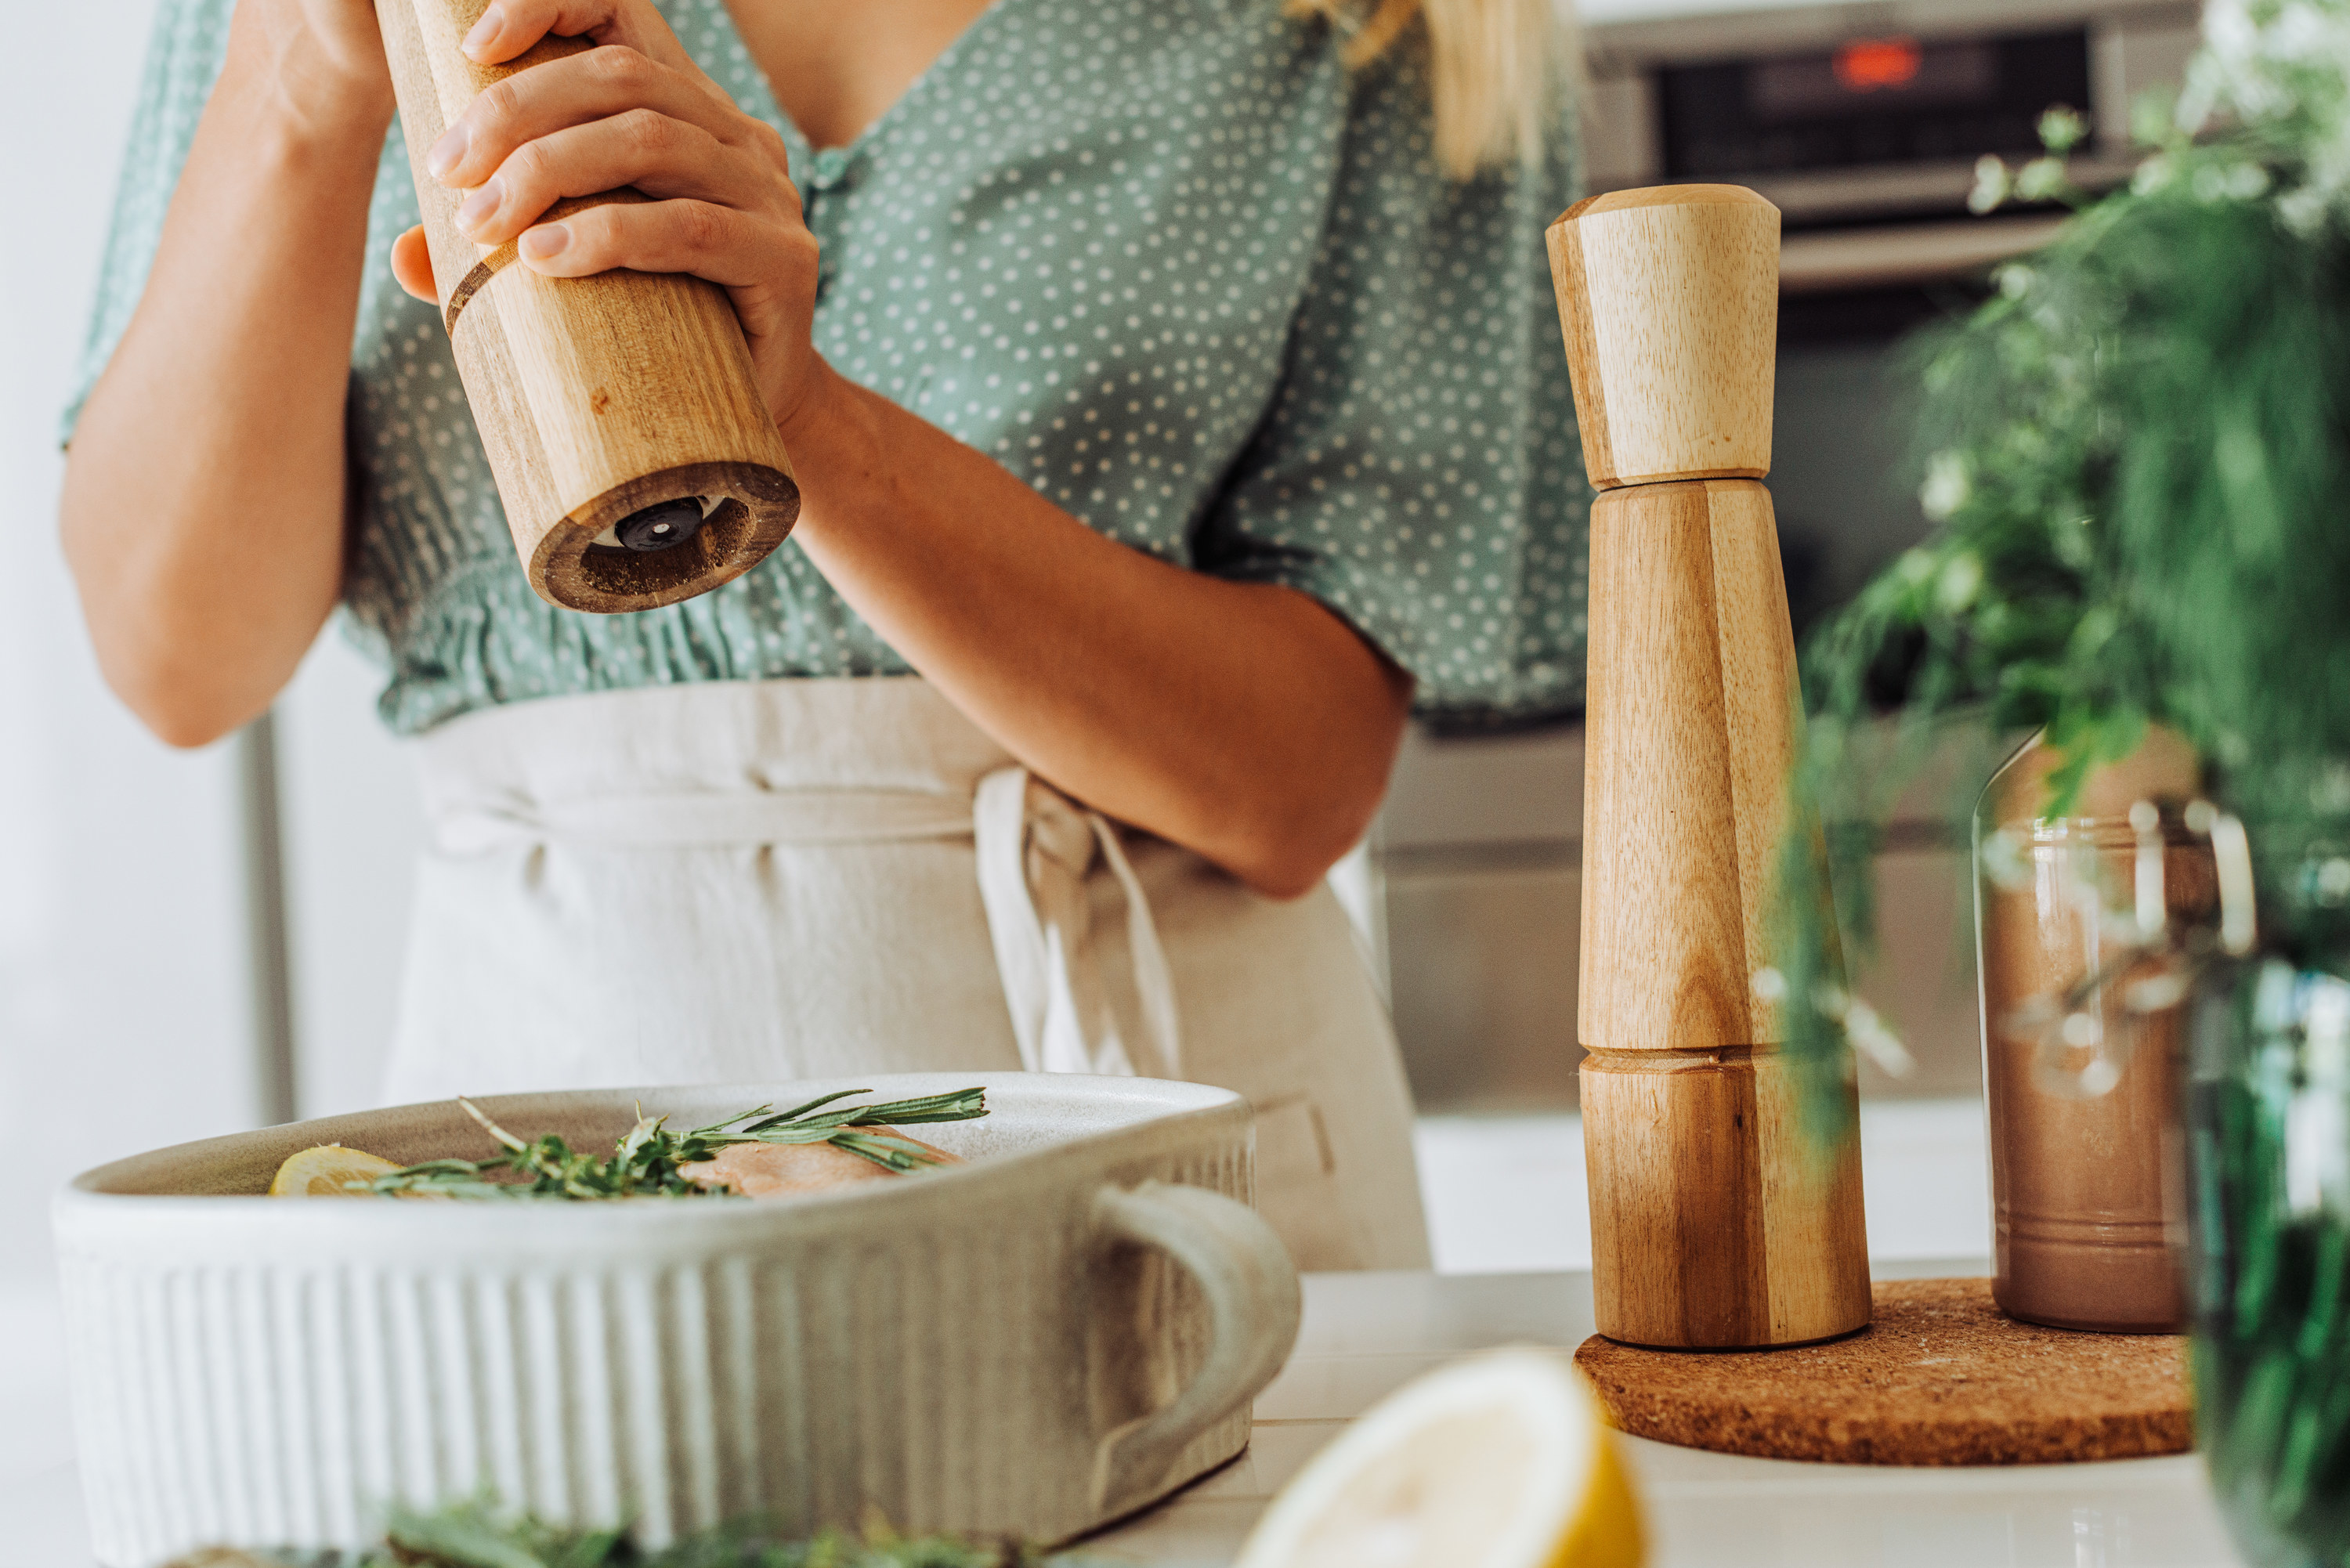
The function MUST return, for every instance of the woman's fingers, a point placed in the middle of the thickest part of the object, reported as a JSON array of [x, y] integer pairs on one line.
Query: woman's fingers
[[633, 110], [412, 265], [510, 27], [767, 261], [657, 155], [563, 93], [723, 243]]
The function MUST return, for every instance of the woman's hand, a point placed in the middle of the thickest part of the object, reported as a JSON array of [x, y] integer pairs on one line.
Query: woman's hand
[[635, 111]]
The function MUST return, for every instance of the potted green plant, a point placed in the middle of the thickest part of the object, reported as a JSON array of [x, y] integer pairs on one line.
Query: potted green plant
[[2139, 452]]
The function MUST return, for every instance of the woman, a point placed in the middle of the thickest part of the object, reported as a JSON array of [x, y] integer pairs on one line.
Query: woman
[[1174, 394]]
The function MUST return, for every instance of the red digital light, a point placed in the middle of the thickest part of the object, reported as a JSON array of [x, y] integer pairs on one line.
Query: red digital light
[[1875, 65]]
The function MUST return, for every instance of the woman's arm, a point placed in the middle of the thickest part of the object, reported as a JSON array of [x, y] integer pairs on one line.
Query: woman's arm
[[1240, 719], [1244, 721], [203, 513]]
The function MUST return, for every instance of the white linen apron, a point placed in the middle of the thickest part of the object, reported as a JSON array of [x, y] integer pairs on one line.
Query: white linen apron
[[745, 881]]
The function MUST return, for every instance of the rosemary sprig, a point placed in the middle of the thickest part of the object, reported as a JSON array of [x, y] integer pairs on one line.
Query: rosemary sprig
[[645, 1162]]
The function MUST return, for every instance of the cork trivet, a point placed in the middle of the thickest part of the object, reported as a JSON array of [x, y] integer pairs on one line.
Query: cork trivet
[[1941, 1377]]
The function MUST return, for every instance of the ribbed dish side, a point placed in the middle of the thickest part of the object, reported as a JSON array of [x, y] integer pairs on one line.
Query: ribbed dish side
[[283, 1404]]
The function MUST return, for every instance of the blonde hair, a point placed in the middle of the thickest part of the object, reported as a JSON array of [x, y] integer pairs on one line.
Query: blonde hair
[[1497, 68]]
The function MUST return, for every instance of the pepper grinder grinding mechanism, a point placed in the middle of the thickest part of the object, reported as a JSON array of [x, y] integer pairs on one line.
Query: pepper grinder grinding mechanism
[[635, 455], [1713, 1223]]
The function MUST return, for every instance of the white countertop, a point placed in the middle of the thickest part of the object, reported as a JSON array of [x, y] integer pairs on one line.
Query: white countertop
[[1366, 1334]]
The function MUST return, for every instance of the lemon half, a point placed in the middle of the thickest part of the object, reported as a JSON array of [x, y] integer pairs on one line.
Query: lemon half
[[323, 1171], [1501, 1460]]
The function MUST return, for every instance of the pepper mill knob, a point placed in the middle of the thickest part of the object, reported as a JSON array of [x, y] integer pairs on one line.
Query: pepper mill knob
[[1669, 300], [1716, 1220]]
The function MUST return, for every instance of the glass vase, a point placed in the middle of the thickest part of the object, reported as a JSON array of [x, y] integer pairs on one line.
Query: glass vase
[[2270, 1165]]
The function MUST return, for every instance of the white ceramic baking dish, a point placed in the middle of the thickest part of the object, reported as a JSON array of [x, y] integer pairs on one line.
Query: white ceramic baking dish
[[1056, 1334]]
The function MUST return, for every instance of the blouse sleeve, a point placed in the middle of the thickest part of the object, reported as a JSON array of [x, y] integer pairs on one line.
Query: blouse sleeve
[[183, 58], [1419, 470]]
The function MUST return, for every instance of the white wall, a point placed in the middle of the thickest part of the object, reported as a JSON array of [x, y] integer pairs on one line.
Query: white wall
[[353, 826], [123, 984], [126, 1014]]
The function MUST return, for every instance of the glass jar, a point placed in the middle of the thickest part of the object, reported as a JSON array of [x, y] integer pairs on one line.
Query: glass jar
[[2269, 1157], [2081, 1088]]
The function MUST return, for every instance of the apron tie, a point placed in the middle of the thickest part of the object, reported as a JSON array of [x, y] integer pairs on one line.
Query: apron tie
[[1035, 848]]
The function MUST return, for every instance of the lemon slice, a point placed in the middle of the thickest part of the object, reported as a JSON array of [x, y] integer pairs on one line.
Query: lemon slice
[[1498, 1461], [321, 1172]]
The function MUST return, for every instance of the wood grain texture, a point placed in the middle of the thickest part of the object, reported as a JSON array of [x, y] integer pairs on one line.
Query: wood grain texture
[[1715, 1223], [1671, 1145], [1815, 1222], [1717, 1219], [1941, 1377], [595, 397], [1689, 719], [1667, 299]]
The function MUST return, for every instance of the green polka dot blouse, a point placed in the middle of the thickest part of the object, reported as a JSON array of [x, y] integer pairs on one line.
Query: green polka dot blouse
[[1168, 261]]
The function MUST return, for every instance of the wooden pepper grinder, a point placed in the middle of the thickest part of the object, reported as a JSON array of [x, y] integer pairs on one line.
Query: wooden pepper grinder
[[1714, 1222], [634, 453]]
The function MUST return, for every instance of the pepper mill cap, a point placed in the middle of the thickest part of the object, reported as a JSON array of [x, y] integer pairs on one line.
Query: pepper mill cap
[[1669, 297]]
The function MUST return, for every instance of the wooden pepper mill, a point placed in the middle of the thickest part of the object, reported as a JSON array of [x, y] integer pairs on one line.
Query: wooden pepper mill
[[635, 455], [1714, 1222]]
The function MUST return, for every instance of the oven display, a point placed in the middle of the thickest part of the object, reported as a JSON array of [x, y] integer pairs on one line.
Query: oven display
[[1875, 100]]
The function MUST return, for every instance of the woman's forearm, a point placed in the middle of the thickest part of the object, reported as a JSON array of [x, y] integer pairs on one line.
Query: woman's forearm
[[204, 502], [1244, 721]]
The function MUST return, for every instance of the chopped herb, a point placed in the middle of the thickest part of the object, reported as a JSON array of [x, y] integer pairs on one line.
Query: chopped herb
[[647, 1162]]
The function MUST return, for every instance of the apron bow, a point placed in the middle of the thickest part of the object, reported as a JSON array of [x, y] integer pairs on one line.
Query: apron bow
[[1036, 847]]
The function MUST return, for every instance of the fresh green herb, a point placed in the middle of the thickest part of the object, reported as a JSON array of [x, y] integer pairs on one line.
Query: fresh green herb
[[2137, 455], [647, 1162]]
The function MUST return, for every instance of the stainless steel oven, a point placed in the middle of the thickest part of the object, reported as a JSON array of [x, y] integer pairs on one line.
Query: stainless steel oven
[[1863, 122]]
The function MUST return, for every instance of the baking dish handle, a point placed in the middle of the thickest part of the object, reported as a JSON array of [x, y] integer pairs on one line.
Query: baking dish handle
[[1251, 1288]]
